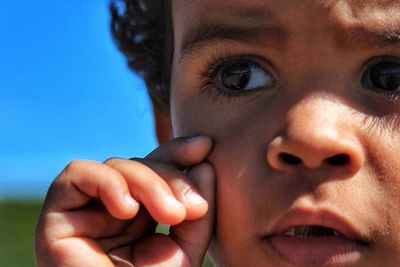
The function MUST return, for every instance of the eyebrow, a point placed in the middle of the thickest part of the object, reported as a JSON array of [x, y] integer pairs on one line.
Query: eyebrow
[[258, 27], [211, 31], [241, 24], [360, 37]]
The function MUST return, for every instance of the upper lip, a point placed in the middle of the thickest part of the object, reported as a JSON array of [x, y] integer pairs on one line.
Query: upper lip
[[317, 217]]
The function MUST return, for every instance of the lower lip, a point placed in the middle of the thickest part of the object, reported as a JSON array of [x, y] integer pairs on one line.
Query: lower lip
[[317, 251]]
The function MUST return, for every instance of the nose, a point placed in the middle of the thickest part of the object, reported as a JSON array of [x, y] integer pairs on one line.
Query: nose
[[316, 134]]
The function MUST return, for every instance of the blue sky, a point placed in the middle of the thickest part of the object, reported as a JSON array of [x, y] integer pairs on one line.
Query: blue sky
[[65, 93]]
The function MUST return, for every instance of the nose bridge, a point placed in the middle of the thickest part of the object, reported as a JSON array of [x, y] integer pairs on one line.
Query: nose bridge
[[317, 132], [314, 120]]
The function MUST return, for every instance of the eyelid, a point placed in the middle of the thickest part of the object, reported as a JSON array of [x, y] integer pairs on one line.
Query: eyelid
[[390, 55], [252, 61], [381, 58], [218, 62]]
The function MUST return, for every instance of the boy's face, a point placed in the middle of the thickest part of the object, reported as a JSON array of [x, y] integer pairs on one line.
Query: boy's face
[[302, 101]]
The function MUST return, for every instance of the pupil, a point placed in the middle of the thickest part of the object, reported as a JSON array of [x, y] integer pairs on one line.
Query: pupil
[[236, 77], [386, 76]]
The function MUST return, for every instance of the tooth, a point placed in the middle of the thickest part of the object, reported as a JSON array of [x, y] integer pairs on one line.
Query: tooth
[[299, 231], [308, 231], [336, 233], [290, 232], [304, 231]]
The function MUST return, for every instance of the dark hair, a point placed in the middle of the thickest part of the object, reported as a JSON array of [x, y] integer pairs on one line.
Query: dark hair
[[142, 32]]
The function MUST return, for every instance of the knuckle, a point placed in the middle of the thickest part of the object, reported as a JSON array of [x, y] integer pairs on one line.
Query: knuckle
[[121, 164], [69, 172], [113, 161], [141, 163], [87, 167], [109, 173], [76, 165]]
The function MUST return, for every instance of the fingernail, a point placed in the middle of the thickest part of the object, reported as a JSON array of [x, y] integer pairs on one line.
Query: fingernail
[[194, 198], [172, 202], [192, 139], [129, 200]]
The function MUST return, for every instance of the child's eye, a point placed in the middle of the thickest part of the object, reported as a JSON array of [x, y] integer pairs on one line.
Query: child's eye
[[238, 76], [244, 76], [383, 75]]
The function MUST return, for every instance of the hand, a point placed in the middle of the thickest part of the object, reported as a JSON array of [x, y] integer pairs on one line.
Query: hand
[[106, 214]]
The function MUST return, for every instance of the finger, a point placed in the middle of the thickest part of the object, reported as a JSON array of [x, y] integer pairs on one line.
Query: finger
[[93, 221], [194, 237], [72, 252], [142, 226], [183, 152], [82, 181], [183, 188], [147, 187]]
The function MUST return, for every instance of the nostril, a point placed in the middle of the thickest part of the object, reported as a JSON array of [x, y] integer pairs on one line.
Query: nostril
[[337, 160], [290, 159]]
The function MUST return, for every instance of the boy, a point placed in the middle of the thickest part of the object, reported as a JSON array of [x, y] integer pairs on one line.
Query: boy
[[288, 126]]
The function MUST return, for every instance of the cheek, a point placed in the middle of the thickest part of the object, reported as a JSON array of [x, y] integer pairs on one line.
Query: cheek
[[383, 163], [238, 154], [245, 204], [246, 199]]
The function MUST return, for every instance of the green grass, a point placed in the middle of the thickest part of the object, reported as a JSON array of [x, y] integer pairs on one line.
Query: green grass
[[17, 225]]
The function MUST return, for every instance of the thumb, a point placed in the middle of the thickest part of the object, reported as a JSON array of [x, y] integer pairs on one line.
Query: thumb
[[194, 237]]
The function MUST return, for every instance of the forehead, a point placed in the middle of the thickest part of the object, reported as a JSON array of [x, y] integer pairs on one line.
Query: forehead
[[323, 16], [357, 7]]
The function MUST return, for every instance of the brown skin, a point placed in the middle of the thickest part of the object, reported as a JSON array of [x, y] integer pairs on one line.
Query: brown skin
[[317, 110], [87, 220]]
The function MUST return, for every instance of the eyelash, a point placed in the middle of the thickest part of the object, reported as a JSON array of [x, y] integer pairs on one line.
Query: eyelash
[[214, 64], [218, 61]]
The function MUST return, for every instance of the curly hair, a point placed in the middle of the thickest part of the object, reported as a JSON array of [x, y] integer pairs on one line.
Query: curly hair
[[142, 30]]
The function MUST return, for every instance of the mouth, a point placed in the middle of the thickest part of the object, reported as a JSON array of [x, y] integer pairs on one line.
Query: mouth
[[318, 239], [311, 231]]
